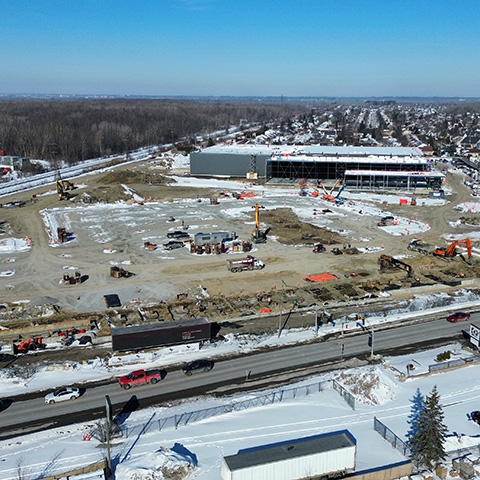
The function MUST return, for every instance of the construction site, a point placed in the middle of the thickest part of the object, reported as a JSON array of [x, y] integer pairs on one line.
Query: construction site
[[146, 244]]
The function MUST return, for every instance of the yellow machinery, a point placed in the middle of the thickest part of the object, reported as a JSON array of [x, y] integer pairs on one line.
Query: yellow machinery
[[63, 187], [259, 236]]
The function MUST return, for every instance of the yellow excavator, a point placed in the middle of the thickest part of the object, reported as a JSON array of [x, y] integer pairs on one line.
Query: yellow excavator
[[63, 187], [259, 236]]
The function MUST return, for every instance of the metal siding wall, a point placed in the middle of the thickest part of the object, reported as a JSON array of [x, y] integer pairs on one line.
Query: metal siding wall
[[225, 472], [300, 467], [235, 165]]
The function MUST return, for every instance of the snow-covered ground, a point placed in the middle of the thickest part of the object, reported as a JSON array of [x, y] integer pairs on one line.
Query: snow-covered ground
[[198, 447]]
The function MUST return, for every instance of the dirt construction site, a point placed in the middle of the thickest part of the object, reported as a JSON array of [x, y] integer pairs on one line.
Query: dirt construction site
[[108, 241]]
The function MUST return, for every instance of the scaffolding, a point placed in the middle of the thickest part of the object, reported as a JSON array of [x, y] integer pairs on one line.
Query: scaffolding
[[362, 173]]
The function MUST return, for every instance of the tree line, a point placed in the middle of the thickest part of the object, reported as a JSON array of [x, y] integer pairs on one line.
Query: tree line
[[75, 130]]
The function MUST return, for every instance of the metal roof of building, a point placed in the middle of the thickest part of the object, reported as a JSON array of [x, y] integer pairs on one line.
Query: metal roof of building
[[393, 173], [160, 326], [319, 150], [419, 160], [299, 447]]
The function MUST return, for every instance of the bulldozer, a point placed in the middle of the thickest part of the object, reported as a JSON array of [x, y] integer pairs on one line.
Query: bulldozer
[[259, 236], [451, 250]]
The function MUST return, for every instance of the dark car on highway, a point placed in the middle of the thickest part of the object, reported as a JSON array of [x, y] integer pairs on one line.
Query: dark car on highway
[[197, 366], [458, 317]]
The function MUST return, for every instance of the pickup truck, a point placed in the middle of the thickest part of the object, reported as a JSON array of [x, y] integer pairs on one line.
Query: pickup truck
[[140, 377]]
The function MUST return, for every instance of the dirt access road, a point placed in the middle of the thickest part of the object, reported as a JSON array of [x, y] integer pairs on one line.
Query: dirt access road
[[162, 276]]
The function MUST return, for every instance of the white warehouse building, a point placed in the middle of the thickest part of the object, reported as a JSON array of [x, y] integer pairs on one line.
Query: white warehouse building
[[324, 455]]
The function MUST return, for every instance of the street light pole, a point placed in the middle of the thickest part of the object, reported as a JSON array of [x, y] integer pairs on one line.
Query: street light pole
[[371, 340], [281, 308]]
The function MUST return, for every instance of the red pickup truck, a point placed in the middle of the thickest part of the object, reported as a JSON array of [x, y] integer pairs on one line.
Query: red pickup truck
[[140, 377]]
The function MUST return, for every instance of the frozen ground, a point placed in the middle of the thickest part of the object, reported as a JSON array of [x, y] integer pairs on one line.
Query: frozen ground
[[200, 445]]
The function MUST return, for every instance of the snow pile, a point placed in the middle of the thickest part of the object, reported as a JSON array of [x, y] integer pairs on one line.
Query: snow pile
[[468, 207], [167, 463], [369, 385], [131, 191], [10, 245]]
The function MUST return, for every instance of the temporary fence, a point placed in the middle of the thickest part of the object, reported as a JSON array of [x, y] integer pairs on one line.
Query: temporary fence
[[460, 362], [175, 421], [463, 452], [393, 439], [347, 396]]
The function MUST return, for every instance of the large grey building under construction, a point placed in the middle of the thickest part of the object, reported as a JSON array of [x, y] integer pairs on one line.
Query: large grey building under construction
[[362, 168]]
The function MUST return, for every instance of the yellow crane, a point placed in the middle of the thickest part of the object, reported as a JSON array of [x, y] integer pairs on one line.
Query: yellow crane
[[259, 236]]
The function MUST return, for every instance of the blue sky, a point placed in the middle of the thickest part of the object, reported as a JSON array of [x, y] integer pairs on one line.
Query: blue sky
[[241, 47]]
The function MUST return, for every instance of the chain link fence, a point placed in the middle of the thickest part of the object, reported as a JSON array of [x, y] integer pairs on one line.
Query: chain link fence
[[175, 421], [452, 363], [393, 439], [344, 393]]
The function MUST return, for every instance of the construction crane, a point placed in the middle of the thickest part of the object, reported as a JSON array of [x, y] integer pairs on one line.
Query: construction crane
[[338, 197], [304, 192], [327, 195], [451, 250], [386, 261], [259, 236]]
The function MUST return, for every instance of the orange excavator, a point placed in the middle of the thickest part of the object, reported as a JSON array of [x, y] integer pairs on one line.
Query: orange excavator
[[451, 251]]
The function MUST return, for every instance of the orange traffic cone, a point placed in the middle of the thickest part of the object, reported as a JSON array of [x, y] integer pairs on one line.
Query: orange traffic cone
[[83, 437], [88, 436]]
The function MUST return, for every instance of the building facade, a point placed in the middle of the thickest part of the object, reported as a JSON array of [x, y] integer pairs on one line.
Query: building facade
[[362, 168]]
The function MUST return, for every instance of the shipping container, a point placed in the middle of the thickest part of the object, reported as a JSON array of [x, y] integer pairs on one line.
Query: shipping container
[[179, 332], [327, 455]]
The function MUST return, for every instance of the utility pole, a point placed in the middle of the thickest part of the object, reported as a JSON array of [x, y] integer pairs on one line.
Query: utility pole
[[281, 308], [370, 340], [342, 345], [108, 426]]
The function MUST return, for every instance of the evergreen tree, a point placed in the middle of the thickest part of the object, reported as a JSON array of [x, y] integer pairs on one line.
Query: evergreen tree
[[426, 444], [418, 403]]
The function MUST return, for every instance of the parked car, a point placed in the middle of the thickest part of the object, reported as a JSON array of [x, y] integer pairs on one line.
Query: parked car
[[197, 366], [65, 393], [458, 317], [173, 244], [178, 235]]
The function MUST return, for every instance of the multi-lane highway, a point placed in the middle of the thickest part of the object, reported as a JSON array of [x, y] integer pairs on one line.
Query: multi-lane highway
[[30, 414]]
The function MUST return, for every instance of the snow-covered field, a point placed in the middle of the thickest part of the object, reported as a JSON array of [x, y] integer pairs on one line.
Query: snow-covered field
[[200, 445]]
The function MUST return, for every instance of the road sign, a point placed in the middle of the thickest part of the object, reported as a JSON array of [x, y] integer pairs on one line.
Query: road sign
[[474, 334]]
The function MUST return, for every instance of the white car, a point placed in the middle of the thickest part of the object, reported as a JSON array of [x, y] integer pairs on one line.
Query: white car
[[66, 393]]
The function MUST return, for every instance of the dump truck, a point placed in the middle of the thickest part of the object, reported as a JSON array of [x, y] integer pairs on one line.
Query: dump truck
[[249, 263]]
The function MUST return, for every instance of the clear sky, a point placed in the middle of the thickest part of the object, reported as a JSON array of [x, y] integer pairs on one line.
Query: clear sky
[[241, 47]]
